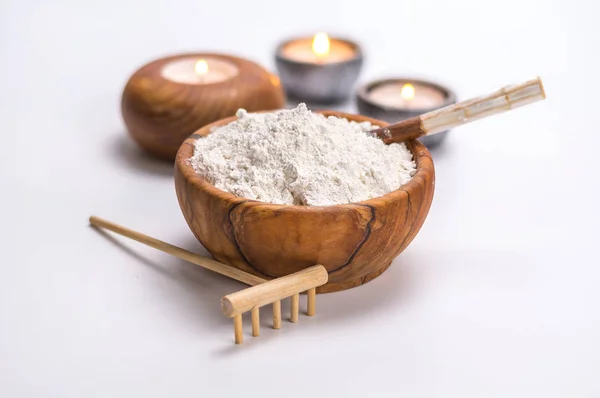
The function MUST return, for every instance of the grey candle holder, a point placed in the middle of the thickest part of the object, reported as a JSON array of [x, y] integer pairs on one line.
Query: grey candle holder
[[325, 83], [389, 114]]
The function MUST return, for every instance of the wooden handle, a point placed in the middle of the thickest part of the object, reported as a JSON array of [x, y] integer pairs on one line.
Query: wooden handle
[[183, 254], [273, 290], [464, 112], [499, 101]]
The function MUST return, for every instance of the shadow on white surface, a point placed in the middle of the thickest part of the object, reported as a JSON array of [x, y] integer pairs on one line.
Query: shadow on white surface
[[199, 306], [201, 288], [443, 151], [335, 311], [129, 155]]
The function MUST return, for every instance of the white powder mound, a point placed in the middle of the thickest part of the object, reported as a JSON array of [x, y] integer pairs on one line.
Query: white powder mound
[[299, 157]]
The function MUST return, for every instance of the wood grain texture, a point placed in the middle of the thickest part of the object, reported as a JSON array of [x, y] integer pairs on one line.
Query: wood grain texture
[[355, 242], [161, 114]]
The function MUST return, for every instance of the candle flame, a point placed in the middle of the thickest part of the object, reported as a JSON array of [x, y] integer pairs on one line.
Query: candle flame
[[201, 67], [320, 44], [408, 91]]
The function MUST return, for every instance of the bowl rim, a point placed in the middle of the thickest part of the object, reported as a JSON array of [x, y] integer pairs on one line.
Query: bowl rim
[[421, 156]]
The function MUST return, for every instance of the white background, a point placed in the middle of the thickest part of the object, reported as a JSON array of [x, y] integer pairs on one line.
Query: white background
[[497, 296]]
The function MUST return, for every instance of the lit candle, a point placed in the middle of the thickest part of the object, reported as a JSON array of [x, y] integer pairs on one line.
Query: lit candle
[[320, 49], [169, 98], [407, 95], [192, 70], [320, 69]]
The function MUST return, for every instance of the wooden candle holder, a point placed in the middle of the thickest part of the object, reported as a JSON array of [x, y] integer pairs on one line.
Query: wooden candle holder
[[160, 113]]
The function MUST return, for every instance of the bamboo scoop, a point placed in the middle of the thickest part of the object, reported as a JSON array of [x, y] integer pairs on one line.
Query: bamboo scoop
[[261, 293], [464, 112]]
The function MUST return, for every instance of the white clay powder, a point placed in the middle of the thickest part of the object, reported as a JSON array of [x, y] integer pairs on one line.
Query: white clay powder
[[302, 158]]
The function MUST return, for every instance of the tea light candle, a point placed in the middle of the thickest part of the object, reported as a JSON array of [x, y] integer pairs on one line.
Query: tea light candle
[[320, 49], [207, 70], [167, 100], [320, 69], [407, 96], [394, 100]]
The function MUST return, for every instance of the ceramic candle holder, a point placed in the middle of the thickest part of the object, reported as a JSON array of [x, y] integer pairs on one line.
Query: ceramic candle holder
[[371, 101], [325, 78], [168, 99]]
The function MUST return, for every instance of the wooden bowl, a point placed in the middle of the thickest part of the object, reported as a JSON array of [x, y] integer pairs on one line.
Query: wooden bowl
[[355, 242], [161, 113]]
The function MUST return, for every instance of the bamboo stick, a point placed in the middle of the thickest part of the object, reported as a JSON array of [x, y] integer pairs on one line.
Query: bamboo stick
[[504, 99], [294, 308], [255, 321], [311, 301], [277, 314], [464, 112], [183, 254], [273, 290]]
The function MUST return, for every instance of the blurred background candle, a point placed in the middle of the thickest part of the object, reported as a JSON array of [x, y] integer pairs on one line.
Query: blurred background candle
[[199, 71], [168, 99], [320, 49], [394, 100], [411, 96], [320, 69]]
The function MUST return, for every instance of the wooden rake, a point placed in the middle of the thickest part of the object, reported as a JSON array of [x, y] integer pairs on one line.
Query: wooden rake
[[272, 292], [262, 292]]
